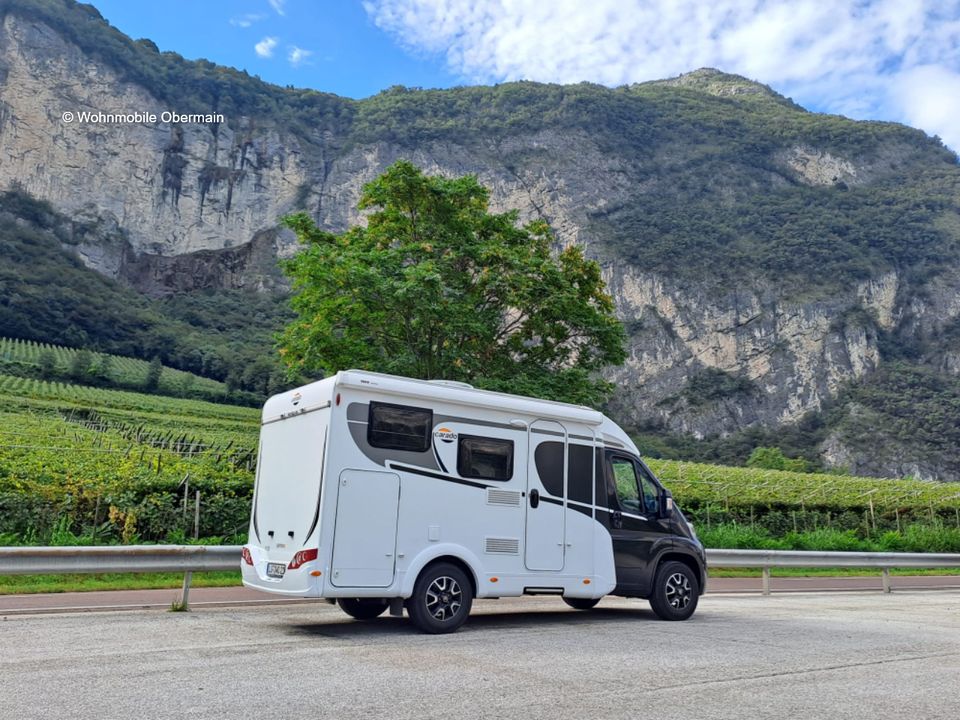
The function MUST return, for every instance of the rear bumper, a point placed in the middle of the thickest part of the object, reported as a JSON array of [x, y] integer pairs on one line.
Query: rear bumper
[[294, 583]]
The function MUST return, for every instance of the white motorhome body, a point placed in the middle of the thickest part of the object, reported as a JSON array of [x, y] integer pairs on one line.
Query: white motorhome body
[[367, 481]]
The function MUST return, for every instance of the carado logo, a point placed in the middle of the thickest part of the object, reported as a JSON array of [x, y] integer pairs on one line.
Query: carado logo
[[445, 434]]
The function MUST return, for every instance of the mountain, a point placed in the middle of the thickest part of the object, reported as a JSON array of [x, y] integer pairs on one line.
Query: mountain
[[786, 277]]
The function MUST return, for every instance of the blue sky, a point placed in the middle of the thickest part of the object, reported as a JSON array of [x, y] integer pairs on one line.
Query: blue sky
[[342, 50], [868, 59]]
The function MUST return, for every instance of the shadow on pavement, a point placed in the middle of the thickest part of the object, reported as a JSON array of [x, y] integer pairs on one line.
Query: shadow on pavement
[[489, 620]]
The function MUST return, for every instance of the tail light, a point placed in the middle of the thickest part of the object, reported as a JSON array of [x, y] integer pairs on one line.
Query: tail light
[[247, 557], [302, 556]]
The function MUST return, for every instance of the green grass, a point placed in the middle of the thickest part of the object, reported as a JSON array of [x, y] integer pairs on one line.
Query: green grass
[[722, 572], [27, 584], [30, 584], [914, 539]]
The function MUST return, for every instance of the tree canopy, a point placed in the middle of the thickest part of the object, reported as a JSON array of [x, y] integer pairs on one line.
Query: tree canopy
[[436, 286]]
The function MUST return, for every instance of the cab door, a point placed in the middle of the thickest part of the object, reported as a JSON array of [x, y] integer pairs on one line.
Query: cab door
[[639, 534]]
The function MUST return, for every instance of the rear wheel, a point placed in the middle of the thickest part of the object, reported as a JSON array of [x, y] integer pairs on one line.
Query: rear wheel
[[362, 608], [581, 603], [675, 591], [441, 599]]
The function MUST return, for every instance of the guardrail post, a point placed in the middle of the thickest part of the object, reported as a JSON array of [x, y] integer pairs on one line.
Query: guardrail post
[[886, 580], [185, 599], [766, 579]]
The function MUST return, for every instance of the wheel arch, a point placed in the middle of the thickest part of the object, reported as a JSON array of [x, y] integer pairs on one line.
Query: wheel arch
[[451, 554], [686, 559], [453, 560]]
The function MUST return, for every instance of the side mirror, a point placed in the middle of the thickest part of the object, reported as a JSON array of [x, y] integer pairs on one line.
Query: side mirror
[[666, 504]]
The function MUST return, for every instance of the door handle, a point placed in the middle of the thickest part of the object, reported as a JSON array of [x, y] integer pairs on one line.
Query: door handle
[[617, 519], [534, 498]]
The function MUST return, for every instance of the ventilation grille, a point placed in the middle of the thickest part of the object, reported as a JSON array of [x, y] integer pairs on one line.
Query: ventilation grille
[[502, 497], [503, 546]]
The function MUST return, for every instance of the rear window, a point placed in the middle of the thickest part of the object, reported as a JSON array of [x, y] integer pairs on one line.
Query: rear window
[[485, 458], [399, 427]]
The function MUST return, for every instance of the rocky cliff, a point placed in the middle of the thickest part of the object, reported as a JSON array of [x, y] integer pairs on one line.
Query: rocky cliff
[[723, 337]]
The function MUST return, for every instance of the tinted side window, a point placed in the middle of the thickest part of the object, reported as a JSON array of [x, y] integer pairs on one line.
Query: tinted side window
[[549, 459], [399, 427], [649, 492], [580, 473], [485, 458]]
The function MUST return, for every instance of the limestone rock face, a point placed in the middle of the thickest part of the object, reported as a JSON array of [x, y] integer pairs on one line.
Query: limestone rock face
[[790, 356], [174, 188]]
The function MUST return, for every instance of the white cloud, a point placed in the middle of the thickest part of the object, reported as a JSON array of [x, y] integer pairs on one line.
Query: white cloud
[[265, 47], [247, 20], [297, 56], [278, 6], [890, 59], [929, 97]]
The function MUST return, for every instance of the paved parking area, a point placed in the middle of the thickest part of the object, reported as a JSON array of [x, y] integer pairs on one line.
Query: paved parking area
[[862, 655]]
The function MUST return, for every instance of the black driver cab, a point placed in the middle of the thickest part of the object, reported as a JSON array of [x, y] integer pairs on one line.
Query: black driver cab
[[656, 552]]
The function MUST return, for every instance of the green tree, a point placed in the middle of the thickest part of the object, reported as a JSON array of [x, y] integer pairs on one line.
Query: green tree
[[187, 385], [436, 286], [152, 381], [103, 370], [48, 364], [772, 458], [80, 365]]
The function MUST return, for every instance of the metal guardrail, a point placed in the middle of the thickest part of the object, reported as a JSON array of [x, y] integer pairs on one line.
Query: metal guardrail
[[117, 559], [767, 559], [187, 559], [197, 558]]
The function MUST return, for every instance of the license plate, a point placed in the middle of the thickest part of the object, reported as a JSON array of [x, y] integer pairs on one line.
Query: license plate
[[276, 570]]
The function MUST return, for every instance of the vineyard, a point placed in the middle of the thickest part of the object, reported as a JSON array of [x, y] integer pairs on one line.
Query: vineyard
[[741, 489], [116, 466], [29, 358], [120, 466]]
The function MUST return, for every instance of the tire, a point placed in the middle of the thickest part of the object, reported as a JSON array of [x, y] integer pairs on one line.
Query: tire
[[362, 608], [441, 600], [675, 591], [581, 603]]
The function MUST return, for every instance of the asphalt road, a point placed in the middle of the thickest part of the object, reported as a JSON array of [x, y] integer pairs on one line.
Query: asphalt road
[[841, 655], [207, 597]]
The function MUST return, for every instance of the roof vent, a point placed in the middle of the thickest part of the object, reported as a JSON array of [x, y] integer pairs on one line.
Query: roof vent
[[451, 383]]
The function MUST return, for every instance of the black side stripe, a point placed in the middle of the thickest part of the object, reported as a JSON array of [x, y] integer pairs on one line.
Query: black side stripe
[[571, 504], [316, 514], [438, 476], [436, 454], [582, 509], [256, 493]]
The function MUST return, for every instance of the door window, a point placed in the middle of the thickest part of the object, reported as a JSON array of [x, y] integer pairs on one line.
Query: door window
[[580, 473], [625, 480], [649, 494], [549, 460]]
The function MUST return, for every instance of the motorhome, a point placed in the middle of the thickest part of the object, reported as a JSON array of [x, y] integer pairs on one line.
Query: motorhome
[[380, 492]]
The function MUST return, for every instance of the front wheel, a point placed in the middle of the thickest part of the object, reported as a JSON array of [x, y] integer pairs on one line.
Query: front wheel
[[675, 591], [581, 603], [362, 608], [441, 599]]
